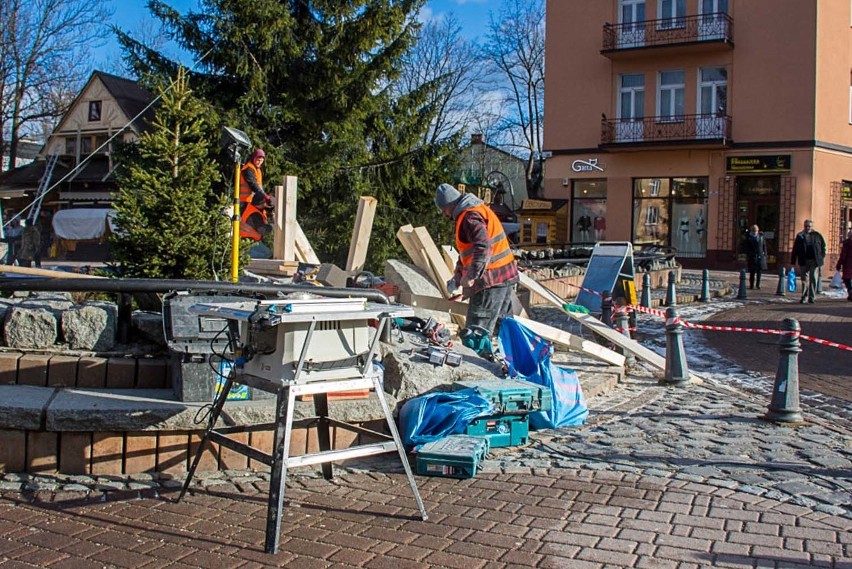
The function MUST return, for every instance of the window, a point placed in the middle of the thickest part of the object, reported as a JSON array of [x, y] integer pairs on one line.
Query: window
[[588, 211], [541, 232], [631, 16], [712, 103], [94, 111], [631, 108], [671, 96], [672, 14], [71, 146], [671, 212]]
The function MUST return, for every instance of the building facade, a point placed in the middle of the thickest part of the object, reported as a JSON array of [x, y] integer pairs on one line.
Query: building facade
[[683, 122]]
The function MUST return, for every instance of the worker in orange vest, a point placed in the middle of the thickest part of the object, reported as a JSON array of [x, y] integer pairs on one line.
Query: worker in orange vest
[[486, 269], [254, 202]]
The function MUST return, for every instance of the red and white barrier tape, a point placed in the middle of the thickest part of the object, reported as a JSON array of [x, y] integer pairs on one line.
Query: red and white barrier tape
[[694, 326]]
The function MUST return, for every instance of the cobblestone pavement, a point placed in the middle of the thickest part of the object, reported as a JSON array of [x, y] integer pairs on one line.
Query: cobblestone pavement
[[659, 477]]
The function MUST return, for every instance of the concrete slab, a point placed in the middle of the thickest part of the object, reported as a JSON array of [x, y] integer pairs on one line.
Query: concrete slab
[[23, 405]]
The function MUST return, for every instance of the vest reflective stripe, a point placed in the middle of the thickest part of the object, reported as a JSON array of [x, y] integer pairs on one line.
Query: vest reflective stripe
[[245, 190], [501, 253]]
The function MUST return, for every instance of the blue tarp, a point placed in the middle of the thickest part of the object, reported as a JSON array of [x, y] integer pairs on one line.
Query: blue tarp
[[433, 416], [529, 358]]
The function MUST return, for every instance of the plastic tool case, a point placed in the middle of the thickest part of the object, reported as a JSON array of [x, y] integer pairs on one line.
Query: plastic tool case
[[503, 431], [510, 396], [455, 456]]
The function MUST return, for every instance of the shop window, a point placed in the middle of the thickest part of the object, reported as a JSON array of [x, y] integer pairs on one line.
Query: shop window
[[94, 111], [588, 211], [671, 212], [541, 232]]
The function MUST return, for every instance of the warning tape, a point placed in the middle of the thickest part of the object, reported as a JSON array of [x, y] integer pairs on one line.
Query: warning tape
[[694, 326]]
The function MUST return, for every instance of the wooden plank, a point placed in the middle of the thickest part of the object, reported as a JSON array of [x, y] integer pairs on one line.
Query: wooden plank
[[573, 343], [284, 230], [451, 256], [406, 237], [620, 340], [45, 272], [304, 251], [433, 303], [435, 259], [361, 234]]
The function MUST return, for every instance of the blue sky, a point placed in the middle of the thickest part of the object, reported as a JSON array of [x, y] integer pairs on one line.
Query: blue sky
[[128, 14]]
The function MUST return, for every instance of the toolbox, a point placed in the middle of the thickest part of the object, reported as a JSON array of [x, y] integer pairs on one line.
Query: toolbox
[[455, 456], [510, 396], [502, 431]]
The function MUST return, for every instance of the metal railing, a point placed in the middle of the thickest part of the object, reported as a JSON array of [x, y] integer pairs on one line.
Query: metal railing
[[715, 27], [680, 128]]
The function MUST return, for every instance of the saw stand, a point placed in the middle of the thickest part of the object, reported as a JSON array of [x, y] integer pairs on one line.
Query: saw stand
[[360, 376]]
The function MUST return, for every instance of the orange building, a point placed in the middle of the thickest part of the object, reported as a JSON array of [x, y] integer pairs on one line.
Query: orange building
[[684, 122]]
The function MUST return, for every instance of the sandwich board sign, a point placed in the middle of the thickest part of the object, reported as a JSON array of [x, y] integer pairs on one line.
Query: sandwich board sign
[[610, 268]]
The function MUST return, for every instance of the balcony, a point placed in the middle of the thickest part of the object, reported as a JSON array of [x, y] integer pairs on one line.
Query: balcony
[[712, 129], [700, 33]]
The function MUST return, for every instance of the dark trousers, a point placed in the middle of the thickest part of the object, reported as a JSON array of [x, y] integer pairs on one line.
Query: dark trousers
[[810, 274], [848, 284], [488, 306], [755, 270]]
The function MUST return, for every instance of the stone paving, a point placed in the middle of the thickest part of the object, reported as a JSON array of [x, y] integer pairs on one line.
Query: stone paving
[[659, 477]]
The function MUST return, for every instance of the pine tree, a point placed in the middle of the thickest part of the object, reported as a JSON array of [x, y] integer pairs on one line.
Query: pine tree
[[309, 81], [169, 209]]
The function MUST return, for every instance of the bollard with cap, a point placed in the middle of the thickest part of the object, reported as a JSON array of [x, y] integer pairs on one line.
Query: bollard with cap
[[671, 292], [622, 324], [742, 293], [782, 282], [705, 285], [677, 371], [646, 291], [784, 406], [606, 308]]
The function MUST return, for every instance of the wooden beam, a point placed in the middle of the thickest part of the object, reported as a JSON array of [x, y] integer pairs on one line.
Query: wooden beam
[[406, 237], [435, 259], [572, 342], [451, 256], [284, 232], [45, 273], [304, 251], [361, 234]]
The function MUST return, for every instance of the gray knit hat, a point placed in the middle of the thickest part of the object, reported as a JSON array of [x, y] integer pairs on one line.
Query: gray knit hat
[[445, 195]]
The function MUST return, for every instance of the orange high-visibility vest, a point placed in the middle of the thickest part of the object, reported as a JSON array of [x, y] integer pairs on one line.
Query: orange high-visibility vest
[[245, 190], [247, 230], [501, 254]]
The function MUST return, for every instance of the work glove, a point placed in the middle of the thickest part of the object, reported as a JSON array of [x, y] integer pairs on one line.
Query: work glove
[[452, 285]]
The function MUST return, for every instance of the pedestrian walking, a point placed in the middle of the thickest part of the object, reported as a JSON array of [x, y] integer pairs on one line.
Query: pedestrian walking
[[30, 250], [844, 264], [754, 247], [809, 254]]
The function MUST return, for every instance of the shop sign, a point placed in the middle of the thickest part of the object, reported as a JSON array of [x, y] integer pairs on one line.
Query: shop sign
[[846, 192], [740, 164], [586, 165]]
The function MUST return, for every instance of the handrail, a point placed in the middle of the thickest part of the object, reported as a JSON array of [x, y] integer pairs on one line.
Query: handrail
[[705, 127], [714, 27]]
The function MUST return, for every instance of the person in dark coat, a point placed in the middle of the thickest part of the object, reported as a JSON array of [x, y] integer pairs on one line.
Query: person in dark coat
[[809, 254], [844, 264], [754, 247]]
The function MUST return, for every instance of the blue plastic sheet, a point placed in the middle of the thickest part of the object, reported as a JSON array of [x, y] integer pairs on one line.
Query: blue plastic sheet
[[433, 416], [529, 358]]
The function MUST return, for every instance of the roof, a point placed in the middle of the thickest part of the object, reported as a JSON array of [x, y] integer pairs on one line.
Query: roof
[[28, 177], [131, 97]]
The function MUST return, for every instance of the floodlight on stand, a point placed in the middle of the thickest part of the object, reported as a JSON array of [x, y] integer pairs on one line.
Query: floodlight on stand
[[235, 140]]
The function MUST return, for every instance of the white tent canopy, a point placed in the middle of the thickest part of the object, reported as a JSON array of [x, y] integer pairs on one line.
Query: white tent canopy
[[81, 223]]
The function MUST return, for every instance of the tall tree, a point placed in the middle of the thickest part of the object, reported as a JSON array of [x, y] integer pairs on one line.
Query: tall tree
[[515, 52], [170, 203], [302, 78], [43, 47]]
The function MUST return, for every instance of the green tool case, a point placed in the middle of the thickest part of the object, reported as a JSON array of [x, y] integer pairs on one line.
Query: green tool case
[[502, 431], [510, 396], [455, 456]]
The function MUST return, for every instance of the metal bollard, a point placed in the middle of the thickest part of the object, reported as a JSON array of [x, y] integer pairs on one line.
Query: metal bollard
[[622, 324], [671, 292], [742, 294], [677, 371], [782, 282], [646, 291], [784, 407], [606, 308], [705, 285]]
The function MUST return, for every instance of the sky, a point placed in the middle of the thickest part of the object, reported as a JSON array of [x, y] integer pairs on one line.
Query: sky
[[129, 14]]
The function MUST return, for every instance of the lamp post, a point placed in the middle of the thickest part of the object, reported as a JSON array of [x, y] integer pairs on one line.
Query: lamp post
[[505, 177], [234, 141]]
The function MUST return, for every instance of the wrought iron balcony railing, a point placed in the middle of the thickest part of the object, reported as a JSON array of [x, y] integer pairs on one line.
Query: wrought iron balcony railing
[[681, 128], [715, 27]]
